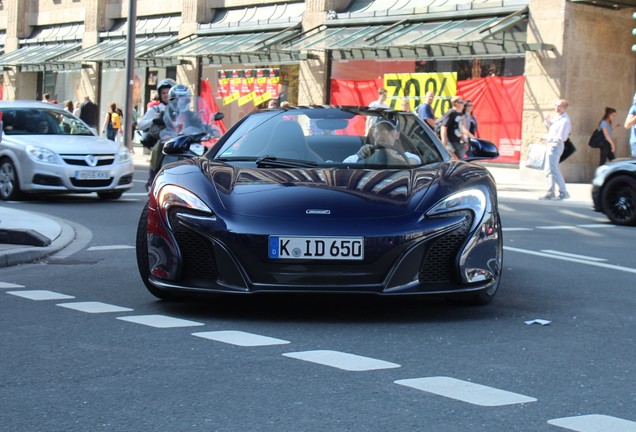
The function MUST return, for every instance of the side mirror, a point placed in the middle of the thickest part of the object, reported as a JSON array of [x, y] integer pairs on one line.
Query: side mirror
[[218, 116], [481, 149]]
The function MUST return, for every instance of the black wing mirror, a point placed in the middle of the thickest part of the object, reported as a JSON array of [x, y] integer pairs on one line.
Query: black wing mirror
[[481, 149]]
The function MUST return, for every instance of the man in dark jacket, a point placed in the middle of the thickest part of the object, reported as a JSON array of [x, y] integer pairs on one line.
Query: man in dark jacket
[[89, 112]]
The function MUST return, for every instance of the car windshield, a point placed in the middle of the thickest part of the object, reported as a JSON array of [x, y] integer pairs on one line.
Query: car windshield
[[38, 121], [330, 137]]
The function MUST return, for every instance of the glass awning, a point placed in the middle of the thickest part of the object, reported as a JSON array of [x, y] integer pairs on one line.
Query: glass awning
[[113, 52], [39, 57], [249, 47], [420, 38]]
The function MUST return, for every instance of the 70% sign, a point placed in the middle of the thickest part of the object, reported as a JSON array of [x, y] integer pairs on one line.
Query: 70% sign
[[414, 86]]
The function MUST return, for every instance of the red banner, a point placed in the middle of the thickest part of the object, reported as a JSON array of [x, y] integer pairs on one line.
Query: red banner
[[207, 115], [498, 106], [497, 101]]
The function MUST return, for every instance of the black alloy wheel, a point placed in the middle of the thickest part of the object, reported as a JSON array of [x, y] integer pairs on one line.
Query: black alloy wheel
[[619, 200]]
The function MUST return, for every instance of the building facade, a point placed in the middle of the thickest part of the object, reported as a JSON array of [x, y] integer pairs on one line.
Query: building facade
[[299, 51]]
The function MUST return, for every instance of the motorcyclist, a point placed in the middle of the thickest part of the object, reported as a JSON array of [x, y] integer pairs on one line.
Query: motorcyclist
[[152, 123]]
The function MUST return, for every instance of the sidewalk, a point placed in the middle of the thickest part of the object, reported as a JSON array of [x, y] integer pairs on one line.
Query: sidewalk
[[27, 236]]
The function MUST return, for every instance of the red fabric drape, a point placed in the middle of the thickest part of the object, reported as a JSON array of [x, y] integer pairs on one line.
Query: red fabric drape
[[206, 94], [497, 101], [498, 106]]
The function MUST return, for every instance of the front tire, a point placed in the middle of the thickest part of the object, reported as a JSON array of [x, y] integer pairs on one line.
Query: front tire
[[9, 183], [141, 248], [619, 200]]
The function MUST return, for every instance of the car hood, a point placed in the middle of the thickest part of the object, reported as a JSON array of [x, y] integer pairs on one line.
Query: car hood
[[339, 192], [65, 144]]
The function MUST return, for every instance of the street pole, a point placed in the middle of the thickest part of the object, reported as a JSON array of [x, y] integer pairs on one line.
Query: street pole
[[130, 70]]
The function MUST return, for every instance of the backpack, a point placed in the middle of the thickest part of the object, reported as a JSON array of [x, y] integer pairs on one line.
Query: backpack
[[115, 120]]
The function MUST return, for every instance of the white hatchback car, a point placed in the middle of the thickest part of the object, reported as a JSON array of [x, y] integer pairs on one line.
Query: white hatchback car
[[45, 149]]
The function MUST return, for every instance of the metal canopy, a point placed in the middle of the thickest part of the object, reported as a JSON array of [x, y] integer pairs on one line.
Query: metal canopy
[[461, 37], [112, 52], [39, 57], [248, 47]]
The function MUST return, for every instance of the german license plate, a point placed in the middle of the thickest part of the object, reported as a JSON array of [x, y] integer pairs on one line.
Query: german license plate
[[316, 248], [92, 175]]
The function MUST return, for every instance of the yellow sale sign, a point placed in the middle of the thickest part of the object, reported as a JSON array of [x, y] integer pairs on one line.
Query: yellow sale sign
[[416, 85]]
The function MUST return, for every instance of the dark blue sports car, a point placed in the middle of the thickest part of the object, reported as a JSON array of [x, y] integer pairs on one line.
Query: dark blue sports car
[[324, 199]]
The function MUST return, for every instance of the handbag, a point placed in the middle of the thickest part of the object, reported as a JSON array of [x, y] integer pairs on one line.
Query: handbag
[[597, 139], [536, 156], [568, 150]]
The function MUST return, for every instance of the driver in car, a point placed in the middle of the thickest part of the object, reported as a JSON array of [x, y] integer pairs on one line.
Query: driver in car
[[386, 148]]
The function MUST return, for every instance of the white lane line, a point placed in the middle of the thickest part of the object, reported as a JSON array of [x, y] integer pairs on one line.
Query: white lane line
[[10, 285], [340, 360], [94, 307], [583, 257], [518, 229], [556, 227], [240, 338], [40, 295], [607, 225], [160, 321], [111, 247], [580, 261], [465, 391], [594, 423]]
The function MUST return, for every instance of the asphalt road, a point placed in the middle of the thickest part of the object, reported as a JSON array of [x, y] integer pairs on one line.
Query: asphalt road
[[84, 347]]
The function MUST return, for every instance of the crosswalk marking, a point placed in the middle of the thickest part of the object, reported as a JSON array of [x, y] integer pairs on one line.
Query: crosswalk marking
[[160, 321], [94, 307], [110, 247], [465, 391], [10, 285], [341, 360], [594, 423], [40, 295], [240, 338]]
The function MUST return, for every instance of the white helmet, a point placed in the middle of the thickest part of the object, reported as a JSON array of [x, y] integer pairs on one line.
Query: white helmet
[[179, 97]]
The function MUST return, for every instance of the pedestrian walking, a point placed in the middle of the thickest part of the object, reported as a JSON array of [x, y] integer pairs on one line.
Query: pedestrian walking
[[559, 128], [469, 124], [608, 147], [68, 106], [76, 111], [425, 110], [630, 123], [451, 129], [112, 121], [89, 113], [380, 102]]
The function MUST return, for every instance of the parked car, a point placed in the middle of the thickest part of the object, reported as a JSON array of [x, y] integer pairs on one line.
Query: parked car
[[614, 191], [305, 200], [45, 149]]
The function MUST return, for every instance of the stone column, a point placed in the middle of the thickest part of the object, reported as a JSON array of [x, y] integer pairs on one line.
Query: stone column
[[314, 68]]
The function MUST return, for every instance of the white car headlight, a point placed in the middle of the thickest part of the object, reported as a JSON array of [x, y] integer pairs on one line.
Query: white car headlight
[[123, 155], [173, 195], [43, 155], [471, 199]]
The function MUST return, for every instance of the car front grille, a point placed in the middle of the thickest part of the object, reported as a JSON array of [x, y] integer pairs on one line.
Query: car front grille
[[197, 252], [91, 183], [439, 262], [81, 160]]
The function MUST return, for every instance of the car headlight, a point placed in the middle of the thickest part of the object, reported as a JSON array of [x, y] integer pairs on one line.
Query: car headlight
[[43, 155], [471, 199], [599, 175], [123, 155], [173, 195]]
